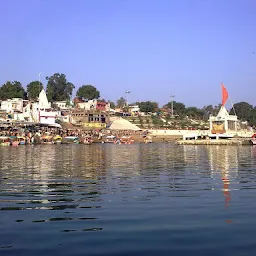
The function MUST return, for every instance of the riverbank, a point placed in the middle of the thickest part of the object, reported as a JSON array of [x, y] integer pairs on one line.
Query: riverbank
[[35, 135], [234, 142]]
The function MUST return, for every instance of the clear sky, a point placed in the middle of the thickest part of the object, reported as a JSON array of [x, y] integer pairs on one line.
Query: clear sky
[[154, 48]]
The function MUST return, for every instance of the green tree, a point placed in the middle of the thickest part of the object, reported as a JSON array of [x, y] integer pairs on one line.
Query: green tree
[[194, 112], [156, 121], [120, 103], [148, 106], [112, 105], [33, 89], [11, 90], [242, 110], [88, 92], [207, 111], [58, 88], [178, 108], [245, 112], [253, 118]]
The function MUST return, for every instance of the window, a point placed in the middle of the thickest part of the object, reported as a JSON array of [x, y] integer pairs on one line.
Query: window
[[90, 118]]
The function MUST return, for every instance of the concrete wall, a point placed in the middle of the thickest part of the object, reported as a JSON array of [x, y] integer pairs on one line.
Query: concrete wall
[[177, 132], [242, 133]]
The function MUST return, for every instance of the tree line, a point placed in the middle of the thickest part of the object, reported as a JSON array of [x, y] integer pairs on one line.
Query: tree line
[[58, 88], [244, 111]]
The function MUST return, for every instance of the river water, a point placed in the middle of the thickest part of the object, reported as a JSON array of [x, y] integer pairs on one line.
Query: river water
[[139, 199]]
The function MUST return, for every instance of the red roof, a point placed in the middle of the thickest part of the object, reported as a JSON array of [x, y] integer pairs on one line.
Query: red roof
[[102, 103]]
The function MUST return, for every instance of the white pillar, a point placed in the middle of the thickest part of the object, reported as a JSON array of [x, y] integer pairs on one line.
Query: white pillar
[[210, 126], [226, 125]]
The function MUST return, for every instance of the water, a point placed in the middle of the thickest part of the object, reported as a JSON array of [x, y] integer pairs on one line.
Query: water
[[127, 200]]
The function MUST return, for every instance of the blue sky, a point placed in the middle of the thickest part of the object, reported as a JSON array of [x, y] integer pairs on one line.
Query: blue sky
[[154, 48]]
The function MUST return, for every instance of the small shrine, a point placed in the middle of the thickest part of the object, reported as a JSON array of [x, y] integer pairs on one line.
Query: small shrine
[[223, 122]]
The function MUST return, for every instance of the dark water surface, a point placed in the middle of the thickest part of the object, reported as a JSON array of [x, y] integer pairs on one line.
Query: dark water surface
[[128, 200]]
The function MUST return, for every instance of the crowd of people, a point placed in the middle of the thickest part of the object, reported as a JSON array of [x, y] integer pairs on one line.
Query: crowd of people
[[33, 135]]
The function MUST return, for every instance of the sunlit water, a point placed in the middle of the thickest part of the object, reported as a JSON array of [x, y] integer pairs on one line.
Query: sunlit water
[[154, 199]]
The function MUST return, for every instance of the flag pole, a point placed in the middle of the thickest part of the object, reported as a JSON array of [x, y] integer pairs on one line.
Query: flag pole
[[232, 105]]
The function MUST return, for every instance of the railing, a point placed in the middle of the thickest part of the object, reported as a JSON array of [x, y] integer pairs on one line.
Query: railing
[[95, 125]]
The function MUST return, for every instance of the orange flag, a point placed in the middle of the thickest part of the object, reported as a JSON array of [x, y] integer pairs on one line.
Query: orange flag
[[224, 94]]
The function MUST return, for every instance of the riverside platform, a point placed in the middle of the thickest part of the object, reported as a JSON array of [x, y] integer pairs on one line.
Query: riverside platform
[[233, 141]]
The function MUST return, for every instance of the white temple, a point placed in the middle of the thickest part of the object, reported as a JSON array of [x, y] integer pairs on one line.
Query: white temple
[[42, 111], [223, 122], [43, 101]]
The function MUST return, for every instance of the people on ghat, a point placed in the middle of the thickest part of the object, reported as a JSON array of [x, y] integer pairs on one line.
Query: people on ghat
[[33, 135]]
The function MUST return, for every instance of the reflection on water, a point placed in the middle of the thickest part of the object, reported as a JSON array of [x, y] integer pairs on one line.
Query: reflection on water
[[155, 196], [224, 163]]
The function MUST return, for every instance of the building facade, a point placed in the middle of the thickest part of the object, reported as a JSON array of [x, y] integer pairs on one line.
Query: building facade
[[223, 122], [89, 118], [94, 105], [62, 105], [12, 105]]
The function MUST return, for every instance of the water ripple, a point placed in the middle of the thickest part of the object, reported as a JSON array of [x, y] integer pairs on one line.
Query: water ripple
[[129, 200]]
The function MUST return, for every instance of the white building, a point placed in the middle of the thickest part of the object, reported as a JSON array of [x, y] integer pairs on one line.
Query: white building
[[64, 118], [223, 122], [42, 112], [134, 110], [11, 105], [87, 105], [94, 105], [38, 112], [62, 105]]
